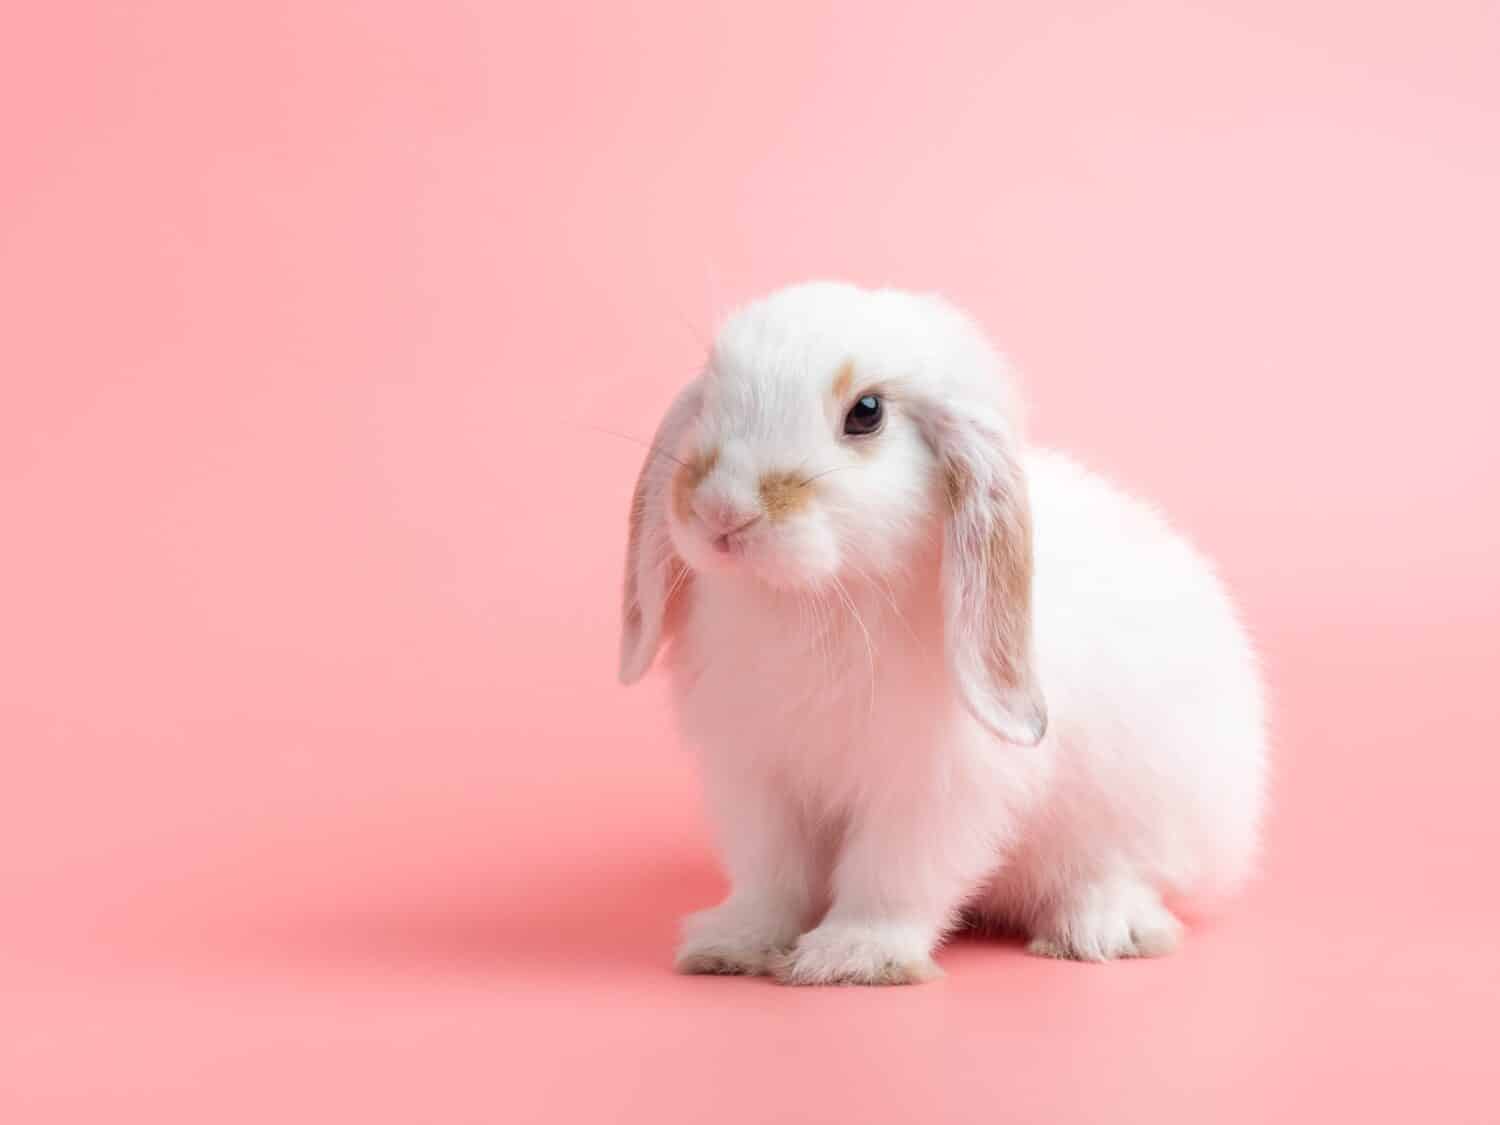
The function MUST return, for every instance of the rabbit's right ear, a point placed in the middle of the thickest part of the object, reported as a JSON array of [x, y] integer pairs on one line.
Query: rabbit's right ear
[[654, 575]]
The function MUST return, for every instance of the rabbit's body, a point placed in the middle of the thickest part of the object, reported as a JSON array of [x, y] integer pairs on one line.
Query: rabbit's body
[[858, 754], [838, 707], [1158, 728]]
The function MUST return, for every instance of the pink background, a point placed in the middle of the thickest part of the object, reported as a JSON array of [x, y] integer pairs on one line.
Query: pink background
[[319, 801]]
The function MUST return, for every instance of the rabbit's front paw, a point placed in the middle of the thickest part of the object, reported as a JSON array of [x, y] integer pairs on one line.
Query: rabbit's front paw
[[730, 940], [849, 954]]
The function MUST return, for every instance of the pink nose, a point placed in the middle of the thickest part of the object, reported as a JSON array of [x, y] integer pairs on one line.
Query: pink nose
[[722, 518]]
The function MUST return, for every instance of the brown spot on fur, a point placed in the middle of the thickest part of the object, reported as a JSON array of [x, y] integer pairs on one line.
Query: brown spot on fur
[[843, 382], [1007, 565], [688, 478], [1008, 559], [782, 494], [956, 483]]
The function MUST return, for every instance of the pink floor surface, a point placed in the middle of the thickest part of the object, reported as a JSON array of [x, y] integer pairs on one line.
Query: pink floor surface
[[319, 802]]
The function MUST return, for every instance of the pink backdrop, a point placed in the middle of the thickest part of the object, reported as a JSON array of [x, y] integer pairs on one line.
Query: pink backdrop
[[319, 801]]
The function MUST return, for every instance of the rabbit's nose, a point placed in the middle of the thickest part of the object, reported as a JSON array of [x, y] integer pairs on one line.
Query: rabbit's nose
[[723, 518]]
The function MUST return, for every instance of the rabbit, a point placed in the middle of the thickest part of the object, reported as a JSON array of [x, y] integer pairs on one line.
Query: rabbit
[[934, 675]]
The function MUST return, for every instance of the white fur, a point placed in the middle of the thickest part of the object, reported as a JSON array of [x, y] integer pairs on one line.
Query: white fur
[[864, 800]]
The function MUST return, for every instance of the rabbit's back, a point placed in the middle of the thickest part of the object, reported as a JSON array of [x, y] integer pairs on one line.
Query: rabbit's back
[[1158, 719]]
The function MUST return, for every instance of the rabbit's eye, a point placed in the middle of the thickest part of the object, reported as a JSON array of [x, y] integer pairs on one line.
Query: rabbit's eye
[[864, 416]]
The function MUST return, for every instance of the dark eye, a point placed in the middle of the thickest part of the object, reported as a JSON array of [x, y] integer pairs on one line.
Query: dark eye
[[865, 416]]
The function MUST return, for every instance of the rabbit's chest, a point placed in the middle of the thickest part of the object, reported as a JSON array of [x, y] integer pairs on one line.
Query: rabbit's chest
[[828, 692]]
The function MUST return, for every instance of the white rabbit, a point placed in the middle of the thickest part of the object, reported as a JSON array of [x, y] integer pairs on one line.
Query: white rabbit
[[932, 674]]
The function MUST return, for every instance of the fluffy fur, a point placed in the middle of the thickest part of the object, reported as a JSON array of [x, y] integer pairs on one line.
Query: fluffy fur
[[934, 675]]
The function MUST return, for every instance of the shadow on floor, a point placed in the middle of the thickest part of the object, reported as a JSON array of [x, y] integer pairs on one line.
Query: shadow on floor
[[605, 917]]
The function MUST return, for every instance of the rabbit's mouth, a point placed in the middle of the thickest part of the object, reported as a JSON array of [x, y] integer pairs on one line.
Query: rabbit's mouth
[[732, 542], [783, 554]]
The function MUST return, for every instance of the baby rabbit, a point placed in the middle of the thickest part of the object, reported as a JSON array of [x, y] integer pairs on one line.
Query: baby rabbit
[[933, 673]]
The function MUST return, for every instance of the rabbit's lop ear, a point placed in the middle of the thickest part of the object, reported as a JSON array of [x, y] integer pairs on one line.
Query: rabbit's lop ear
[[654, 575], [986, 573]]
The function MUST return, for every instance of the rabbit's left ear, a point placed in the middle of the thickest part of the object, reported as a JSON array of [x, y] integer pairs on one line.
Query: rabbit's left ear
[[654, 575], [986, 575]]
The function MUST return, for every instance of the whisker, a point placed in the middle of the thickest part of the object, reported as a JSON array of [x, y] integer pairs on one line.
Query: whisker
[[819, 476], [824, 616], [631, 437], [881, 585], [677, 584], [869, 645]]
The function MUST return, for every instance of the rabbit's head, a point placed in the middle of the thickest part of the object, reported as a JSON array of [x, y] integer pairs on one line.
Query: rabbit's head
[[833, 433]]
